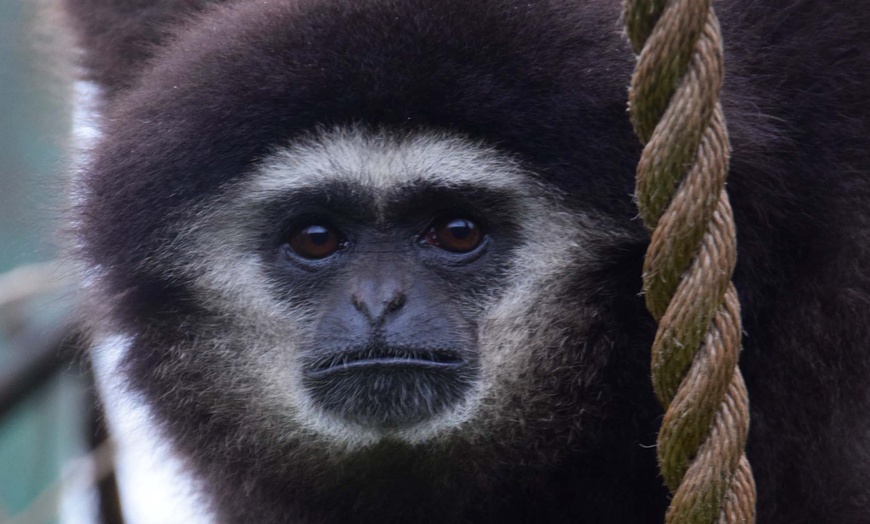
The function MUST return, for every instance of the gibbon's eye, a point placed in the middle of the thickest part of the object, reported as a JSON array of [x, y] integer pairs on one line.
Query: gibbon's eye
[[316, 241], [457, 235]]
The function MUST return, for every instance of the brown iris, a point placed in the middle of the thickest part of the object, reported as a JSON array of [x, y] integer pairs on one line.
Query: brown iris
[[316, 241], [457, 235]]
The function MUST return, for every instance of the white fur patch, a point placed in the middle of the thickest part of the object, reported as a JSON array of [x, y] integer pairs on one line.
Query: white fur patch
[[153, 486], [381, 161], [85, 116]]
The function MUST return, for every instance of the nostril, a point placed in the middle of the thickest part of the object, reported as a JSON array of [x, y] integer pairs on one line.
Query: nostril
[[358, 303], [397, 302]]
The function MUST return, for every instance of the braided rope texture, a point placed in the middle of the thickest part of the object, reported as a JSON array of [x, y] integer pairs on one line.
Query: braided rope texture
[[674, 107]]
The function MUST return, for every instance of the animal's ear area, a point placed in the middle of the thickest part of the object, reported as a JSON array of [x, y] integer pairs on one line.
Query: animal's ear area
[[118, 37]]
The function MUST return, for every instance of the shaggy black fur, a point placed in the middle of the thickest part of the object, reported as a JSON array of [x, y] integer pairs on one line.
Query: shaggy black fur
[[196, 93]]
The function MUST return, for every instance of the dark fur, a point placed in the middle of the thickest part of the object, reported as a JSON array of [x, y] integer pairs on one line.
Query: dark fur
[[545, 81]]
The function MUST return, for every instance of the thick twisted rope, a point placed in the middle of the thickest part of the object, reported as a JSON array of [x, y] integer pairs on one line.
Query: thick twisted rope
[[675, 110]]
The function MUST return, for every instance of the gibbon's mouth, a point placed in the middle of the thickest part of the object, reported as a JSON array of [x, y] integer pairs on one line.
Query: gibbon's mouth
[[385, 356], [389, 387]]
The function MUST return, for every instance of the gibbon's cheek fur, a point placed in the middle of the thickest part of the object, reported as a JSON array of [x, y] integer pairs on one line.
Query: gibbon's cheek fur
[[378, 261]]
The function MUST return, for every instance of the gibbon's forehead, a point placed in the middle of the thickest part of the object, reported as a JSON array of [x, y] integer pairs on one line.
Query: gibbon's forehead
[[384, 166]]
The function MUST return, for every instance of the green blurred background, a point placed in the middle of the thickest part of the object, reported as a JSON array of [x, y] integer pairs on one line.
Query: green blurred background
[[49, 424]]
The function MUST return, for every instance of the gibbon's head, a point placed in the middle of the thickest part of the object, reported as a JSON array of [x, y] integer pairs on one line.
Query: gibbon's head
[[328, 227]]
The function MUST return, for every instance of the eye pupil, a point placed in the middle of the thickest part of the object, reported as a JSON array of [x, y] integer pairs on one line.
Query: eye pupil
[[461, 229], [315, 241], [318, 235]]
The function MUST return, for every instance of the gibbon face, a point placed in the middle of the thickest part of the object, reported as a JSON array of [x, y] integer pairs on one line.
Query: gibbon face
[[374, 286]]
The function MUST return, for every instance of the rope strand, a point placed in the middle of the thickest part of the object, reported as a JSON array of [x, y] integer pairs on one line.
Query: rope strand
[[674, 107]]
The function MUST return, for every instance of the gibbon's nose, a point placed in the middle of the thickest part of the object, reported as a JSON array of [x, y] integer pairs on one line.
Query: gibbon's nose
[[376, 299]]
